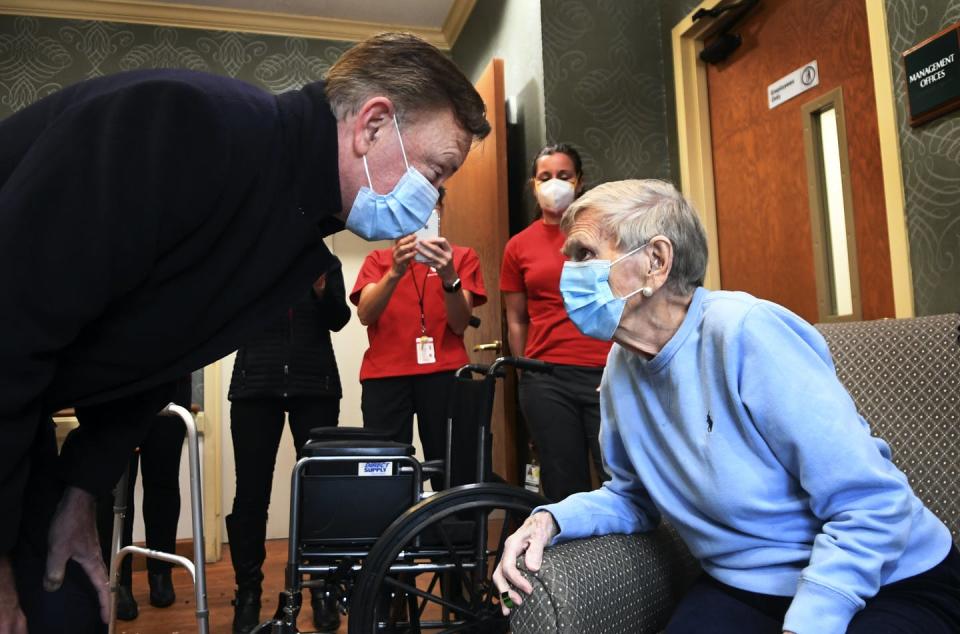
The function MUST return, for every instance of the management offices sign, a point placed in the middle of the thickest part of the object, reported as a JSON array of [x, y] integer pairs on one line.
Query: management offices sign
[[933, 76]]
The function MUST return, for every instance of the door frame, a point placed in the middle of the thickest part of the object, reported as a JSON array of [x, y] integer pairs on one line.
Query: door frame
[[696, 156]]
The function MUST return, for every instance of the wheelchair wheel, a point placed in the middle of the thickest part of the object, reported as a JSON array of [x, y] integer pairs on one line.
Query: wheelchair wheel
[[431, 569]]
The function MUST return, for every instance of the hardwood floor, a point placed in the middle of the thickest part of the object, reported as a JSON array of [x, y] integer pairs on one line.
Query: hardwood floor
[[180, 618]]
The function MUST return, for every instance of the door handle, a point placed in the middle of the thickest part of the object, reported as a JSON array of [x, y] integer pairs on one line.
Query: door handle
[[496, 346]]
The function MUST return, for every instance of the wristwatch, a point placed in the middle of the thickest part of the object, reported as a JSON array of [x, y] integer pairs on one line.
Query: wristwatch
[[454, 287]]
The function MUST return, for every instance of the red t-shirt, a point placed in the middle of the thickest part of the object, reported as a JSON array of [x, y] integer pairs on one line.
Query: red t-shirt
[[393, 350], [532, 263]]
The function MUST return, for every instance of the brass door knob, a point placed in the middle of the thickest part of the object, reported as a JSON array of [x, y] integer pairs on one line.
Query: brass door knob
[[496, 346]]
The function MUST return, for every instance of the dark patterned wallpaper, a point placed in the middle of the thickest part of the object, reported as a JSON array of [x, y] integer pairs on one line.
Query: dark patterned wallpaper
[[39, 56], [604, 85], [931, 166]]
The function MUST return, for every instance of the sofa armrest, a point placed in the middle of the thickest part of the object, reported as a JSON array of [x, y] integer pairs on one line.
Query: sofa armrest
[[609, 584]]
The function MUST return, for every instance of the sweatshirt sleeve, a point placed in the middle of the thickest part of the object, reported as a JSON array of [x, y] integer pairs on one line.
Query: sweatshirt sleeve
[[622, 505], [80, 226], [790, 389]]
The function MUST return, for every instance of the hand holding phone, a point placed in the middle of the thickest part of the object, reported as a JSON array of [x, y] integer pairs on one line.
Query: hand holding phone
[[431, 230]]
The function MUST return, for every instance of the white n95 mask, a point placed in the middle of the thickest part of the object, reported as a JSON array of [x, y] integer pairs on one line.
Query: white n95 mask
[[555, 194]]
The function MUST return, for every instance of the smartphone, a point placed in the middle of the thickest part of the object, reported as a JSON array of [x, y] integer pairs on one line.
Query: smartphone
[[430, 230]]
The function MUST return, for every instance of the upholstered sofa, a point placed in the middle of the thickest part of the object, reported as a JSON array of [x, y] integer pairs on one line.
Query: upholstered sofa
[[904, 376]]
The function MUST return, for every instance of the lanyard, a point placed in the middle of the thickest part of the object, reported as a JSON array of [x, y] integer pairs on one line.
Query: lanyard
[[421, 292]]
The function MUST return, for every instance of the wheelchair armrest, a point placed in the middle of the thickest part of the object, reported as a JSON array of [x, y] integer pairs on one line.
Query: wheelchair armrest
[[432, 466], [614, 583]]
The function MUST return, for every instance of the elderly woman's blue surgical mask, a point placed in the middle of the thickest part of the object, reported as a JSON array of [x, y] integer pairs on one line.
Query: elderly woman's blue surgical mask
[[396, 214], [588, 298]]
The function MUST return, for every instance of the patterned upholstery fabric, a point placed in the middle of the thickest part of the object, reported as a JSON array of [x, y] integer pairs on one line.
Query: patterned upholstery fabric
[[625, 584], [904, 376]]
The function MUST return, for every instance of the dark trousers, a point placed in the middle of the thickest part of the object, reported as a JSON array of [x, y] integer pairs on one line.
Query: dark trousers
[[159, 459], [389, 404], [73, 608], [256, 426], [562, 411], [928, 603]]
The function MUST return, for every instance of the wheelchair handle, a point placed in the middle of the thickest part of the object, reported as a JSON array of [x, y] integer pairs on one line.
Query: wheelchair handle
[[470, 369], [521, 363]]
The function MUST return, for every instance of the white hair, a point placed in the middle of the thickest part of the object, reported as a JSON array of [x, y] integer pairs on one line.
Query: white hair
[[631, 212]]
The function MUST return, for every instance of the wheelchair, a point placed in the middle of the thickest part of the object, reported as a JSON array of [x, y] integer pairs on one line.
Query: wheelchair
[[396, 558]]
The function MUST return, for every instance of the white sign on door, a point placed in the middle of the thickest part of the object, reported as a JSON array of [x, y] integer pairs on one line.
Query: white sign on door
[[788, 87]]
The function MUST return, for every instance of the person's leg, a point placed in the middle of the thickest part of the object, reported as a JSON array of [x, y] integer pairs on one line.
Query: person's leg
[[710, 607], [552, 413], [927, 603], [305, 414], [255, 426], [431, 401], [74, 607], [160, 460], [587, 381], [387, 404], [309, 412]]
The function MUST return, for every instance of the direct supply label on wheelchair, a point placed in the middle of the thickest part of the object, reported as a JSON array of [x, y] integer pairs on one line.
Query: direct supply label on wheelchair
[[374, 468]]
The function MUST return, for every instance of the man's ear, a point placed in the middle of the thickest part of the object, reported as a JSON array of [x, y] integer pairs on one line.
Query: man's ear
[[371, 119]]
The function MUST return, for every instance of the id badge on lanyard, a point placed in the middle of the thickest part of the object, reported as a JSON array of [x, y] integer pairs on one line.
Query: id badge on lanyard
[[426, 353]]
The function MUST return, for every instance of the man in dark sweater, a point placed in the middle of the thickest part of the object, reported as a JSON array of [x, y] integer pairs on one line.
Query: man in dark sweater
[[151, 222]]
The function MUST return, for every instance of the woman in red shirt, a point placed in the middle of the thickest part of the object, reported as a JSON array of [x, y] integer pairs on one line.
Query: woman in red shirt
[[562, 409], [415, 314]]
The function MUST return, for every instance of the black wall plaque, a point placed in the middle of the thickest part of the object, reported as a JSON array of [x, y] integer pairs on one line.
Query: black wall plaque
[[933, 75]]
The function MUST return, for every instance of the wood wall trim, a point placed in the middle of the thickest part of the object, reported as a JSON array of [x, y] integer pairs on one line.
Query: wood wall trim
[[693, 131], [890, 159], [225, 19], [211, 466]]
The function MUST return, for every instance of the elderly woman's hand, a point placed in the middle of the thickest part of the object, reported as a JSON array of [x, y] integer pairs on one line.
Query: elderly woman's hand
[[531, 538]]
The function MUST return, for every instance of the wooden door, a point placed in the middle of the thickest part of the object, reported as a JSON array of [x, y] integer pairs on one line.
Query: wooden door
[[763, 209], [476, 215]]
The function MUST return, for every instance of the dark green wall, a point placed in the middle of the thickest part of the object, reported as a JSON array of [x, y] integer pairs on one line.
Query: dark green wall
[[931, 166], [39, 56], [604, 86]]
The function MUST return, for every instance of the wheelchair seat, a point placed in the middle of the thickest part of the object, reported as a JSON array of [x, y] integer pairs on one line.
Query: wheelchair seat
[[379, 448]]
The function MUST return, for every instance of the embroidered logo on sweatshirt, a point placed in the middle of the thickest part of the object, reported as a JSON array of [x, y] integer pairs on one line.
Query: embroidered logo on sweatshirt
[[709, 423]]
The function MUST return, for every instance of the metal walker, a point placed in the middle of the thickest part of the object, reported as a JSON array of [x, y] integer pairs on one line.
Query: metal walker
[[196, 568]]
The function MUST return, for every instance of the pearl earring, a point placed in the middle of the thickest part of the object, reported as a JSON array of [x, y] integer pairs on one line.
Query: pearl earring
[[646, 291]]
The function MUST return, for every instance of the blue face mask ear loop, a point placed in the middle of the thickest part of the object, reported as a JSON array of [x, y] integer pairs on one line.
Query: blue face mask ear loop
[[403, 152], [622, 257], [400, 138]]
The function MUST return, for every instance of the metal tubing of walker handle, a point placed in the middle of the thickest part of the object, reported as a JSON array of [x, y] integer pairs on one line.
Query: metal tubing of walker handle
[[196, 509], [119, 515]]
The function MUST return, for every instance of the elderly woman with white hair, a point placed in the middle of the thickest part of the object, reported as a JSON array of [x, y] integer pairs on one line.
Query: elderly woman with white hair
[[723, 414]]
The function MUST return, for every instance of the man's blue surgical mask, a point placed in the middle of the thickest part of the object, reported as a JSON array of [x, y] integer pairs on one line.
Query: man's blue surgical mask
[[396, 214], [588, 298]]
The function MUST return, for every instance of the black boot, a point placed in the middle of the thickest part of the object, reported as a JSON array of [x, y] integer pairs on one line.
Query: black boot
[[326, 617], [161, 589], [246, 610], [247, 552], [127, 609]]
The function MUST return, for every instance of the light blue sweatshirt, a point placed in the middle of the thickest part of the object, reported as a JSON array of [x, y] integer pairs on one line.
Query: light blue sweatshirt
[[739, 432]]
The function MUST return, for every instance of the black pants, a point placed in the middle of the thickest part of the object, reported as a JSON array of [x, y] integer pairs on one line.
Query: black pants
[[256, 426], [74, 608], [928, 603], [159, 459], [562, 411], [389, 404]]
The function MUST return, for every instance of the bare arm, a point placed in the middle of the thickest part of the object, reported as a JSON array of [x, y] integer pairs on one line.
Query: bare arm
[[518, 321], [375, 297], [459, 305]]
